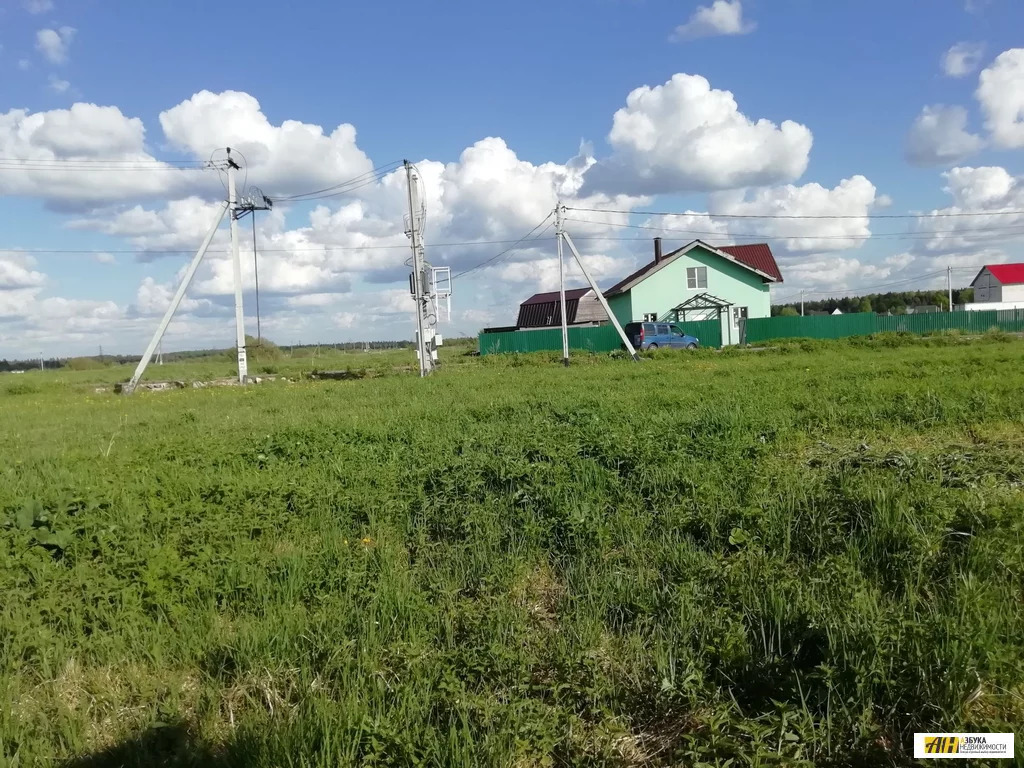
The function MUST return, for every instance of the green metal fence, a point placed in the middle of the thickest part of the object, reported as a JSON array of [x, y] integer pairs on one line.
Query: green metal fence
[[602, 338], [865, 323]]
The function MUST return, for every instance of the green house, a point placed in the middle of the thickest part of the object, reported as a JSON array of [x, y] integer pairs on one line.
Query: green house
[[736, 279]]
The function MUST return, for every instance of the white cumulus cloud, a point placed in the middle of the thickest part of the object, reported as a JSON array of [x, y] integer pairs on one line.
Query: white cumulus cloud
[[38, 6], [1001, 96], [685, 135], [962, 59], [991, 191], [939, 136], [288, 158], [84, 132], [58, 85], [852, 198], [54, 43], [16, 271], [722, 17]]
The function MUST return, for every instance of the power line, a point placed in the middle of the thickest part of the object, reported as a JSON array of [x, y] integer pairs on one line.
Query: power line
[[918, 235], [859, 289], [512, 247], [97, 160], [103, 168], [324, 247], [343, 187], [795, 216]]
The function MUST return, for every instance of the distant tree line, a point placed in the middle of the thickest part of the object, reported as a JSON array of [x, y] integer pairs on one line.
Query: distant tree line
[[881, 303], [27, 365], [258, 349]]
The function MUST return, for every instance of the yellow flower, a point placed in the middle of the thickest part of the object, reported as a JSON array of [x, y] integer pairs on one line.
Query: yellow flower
[[366, 541]]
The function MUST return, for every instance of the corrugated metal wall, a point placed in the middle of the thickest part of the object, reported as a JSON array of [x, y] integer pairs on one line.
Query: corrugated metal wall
[[602, 338], [863, 324]]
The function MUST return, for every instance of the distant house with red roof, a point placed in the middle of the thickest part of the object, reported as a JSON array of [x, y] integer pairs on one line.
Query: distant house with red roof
[[544, 310], [736, 278], [999, 284]]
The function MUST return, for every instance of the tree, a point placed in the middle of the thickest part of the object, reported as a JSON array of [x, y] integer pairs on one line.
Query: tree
[[789, 312], [865, 305]]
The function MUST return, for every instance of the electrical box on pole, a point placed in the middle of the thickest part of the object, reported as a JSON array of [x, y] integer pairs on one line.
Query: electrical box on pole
[[422, 283]]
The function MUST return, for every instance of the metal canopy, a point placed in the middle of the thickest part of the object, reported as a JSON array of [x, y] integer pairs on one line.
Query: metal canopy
[[703, 303]]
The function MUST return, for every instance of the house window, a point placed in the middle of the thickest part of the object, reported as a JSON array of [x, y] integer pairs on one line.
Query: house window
[[737, 313], [650, 317], [696, 277]]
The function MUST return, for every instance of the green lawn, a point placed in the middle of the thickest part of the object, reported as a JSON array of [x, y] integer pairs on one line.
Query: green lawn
[[791, 557]]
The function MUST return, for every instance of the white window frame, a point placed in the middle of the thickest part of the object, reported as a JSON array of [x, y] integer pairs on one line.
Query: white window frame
[[693, 278], [650, 317]]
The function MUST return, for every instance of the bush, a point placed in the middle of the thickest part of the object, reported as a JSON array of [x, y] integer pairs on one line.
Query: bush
[[21, 388], [257, 350]]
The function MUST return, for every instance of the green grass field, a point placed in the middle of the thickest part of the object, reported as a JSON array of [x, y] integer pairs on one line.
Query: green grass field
[[783, 558]]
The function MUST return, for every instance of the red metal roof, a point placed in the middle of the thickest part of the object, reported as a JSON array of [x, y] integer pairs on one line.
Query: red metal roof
[[543, 298], [757, 257], [1007, 274]]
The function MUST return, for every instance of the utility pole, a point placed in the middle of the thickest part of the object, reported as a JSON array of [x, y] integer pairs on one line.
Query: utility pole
[[600, 296], [128, 388], [801, 303], [419, 283], [949, 287], [236, 266], [561, 284]]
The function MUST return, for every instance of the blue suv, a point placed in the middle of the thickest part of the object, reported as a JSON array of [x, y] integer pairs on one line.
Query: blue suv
[[659, 335]]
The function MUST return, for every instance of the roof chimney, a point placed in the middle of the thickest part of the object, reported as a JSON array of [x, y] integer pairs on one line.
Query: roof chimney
[[657, 250]]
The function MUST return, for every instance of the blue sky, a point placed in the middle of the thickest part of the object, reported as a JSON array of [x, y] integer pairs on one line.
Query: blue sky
[[854, 80]]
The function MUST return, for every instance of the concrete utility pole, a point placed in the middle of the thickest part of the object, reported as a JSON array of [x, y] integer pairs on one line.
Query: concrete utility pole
[[801, 303], [128, 388], [236, 268], [600, 296], [561, 284], [949, 287], [425, 342]]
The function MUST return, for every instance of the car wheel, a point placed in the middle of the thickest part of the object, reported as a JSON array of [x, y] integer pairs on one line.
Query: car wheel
[[652, 346], [691, 345]]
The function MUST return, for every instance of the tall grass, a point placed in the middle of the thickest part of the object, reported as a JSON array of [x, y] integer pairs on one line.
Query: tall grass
[[768, 559]]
